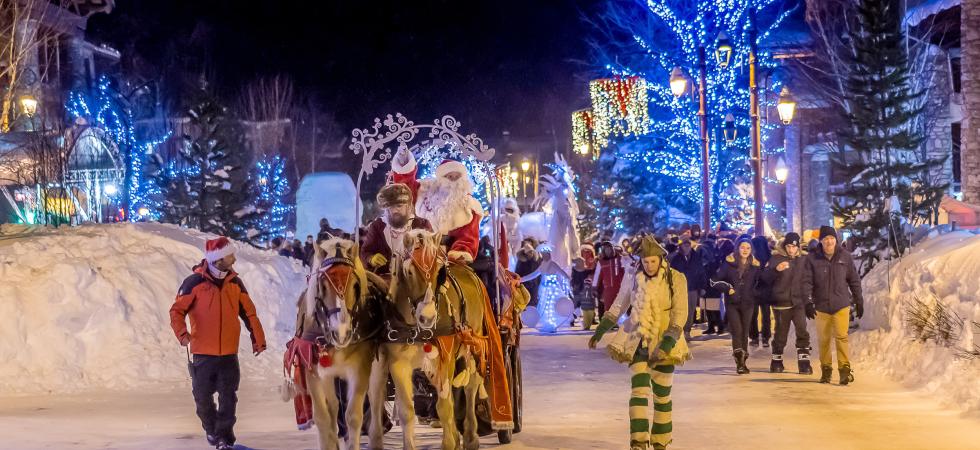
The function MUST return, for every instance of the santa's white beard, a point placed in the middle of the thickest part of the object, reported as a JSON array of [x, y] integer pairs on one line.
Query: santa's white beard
[[446, 204]]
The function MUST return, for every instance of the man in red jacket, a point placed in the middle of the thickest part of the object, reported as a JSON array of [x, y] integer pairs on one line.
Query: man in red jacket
[[446, 201], [215, 299], [385, 235]]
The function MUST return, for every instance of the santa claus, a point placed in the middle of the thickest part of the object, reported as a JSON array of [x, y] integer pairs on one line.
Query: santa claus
[[446, 201]]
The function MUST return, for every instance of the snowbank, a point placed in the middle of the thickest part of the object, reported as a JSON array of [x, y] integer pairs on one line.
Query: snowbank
[[88, 307], [944, 269]]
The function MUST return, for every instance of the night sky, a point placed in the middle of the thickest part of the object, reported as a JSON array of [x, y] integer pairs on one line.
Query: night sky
[[513, 65]]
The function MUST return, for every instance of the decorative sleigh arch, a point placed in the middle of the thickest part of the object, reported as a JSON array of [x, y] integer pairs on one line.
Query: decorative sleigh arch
[[375, 147]]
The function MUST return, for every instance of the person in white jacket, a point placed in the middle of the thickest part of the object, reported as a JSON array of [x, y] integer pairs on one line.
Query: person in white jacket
[[651, 340]]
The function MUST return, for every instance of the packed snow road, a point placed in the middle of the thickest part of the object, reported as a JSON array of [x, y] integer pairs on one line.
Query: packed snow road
[[574, 399]]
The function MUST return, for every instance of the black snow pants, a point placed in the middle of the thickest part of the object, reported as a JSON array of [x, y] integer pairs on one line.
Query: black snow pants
[[739, 317], [766, 330], [221, 375], [797, 317]]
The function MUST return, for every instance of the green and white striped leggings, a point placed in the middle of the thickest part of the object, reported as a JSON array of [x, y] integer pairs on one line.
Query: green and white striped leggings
[[646, 380]]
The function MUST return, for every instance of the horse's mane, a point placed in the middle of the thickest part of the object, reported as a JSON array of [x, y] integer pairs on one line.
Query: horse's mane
[[347, 249]]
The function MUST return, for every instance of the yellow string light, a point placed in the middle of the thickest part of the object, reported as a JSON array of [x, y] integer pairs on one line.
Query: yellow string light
[[619, 108]]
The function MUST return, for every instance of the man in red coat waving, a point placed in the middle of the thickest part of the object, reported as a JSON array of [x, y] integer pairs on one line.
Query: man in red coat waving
[[446, 201]]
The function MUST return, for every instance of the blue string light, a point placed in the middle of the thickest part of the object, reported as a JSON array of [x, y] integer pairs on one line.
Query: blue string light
[[116, 120], [273, 188], [666, 162]]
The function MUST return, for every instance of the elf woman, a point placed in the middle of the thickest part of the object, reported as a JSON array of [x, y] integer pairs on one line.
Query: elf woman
[[651, 340]]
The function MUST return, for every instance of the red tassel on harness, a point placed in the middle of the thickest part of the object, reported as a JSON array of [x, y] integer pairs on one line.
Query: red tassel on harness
[[427, 348], [325, 360]]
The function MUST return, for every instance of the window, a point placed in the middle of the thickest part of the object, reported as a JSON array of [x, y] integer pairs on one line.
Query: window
[[955, 73], [955, 137]]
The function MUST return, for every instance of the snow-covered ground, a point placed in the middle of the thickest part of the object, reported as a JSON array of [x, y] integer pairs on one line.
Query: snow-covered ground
[[942, 269], [89, 360], [88, 307], [575, 399]]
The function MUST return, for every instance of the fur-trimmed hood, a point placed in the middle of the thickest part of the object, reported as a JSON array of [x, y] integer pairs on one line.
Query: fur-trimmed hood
[[730, 259]]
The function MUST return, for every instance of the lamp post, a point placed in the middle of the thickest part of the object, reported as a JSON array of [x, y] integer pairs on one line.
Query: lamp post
[[678, 85], [29, 105], [756, 157]]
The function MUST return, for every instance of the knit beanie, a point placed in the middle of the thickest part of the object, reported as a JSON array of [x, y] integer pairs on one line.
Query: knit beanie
[[826, 230]]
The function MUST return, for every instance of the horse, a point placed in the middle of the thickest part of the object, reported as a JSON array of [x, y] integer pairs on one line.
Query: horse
[[436, 313], [338, 322]]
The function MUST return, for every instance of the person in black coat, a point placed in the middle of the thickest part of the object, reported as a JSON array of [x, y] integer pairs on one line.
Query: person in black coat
[[738, 278], [712, 298], [528, 260], [830, 288], [688, 261], [784, 276], [761, 252]]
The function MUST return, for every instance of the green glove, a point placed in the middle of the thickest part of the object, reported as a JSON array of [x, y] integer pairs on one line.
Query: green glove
[[667, 343], [605, 325]]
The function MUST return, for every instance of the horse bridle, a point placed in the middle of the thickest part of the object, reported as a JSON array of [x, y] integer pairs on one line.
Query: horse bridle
[[418, 332], [330, 337]]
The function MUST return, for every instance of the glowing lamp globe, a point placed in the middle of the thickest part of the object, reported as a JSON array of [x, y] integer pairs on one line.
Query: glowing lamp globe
[[729, 129], [723, 53], [526, 165], [678, 82], [782, 170], [583, 149], [29, 105], [110, 189], [144, 211], [786, 106]]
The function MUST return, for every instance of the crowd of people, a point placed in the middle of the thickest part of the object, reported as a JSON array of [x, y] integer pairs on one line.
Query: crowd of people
[[754, 289]]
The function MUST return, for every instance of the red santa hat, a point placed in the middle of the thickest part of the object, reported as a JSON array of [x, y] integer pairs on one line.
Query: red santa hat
[[216, 249], [448, 166]]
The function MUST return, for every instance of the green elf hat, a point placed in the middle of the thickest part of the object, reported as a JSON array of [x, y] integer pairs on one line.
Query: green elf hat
[[648, 246]]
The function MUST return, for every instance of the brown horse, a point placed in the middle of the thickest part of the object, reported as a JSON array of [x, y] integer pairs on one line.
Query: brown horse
[[338, 315], [429, 300]]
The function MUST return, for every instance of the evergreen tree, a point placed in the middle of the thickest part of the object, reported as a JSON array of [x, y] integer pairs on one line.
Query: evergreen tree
[[273, 188], [207, 187], [888, 187], [660, 171]]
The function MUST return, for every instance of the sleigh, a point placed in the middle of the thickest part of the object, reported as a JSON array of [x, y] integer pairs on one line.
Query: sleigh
[[431, 143]]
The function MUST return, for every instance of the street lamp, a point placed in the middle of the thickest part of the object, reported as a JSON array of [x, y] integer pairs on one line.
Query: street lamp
[[525, 165], [678, 82], [29, 105], [110, 189], [782, 170], [786, 106], [729, 128], [723, 53]]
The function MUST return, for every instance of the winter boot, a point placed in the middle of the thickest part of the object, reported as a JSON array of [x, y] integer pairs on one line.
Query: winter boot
[[846, 376], [754, 342], [776, 366], [826, 371], [224, 445], [639, 445], [212, 440], [740, 358], [765, 343], [803, 361]]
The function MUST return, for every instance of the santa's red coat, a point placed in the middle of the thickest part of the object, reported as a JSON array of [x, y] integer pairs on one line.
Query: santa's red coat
[[464, 241]]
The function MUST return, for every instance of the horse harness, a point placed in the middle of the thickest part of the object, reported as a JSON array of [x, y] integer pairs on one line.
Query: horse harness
[[397, 328]]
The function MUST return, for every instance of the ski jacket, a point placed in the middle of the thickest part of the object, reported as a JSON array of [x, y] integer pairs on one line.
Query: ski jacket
[[787, 285], [608, 278], [746, 284], [214, 307], [831, 284]]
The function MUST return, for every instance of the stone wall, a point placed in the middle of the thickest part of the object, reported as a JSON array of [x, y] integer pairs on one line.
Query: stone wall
[[970, 150]]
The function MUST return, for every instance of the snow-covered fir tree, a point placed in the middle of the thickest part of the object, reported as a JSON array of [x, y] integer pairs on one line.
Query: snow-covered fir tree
[[888, 188], [207, 187], [273, 189]]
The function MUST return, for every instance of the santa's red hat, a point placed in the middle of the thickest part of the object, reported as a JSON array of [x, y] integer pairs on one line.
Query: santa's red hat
[[216, 249], [448, 166]]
